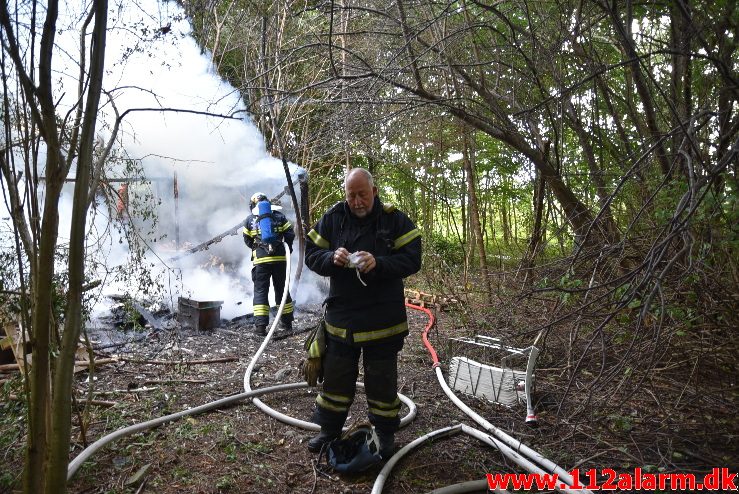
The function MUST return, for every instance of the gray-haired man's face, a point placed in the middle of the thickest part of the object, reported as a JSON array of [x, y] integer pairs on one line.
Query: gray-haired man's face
[[360, 194]]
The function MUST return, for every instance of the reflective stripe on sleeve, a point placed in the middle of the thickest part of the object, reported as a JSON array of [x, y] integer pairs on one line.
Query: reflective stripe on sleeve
[[314, 351], [405, 239], [283, 228], [318, 239]]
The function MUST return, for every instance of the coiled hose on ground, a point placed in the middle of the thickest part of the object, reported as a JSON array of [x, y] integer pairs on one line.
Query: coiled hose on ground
[[86, 453], [510, 447]]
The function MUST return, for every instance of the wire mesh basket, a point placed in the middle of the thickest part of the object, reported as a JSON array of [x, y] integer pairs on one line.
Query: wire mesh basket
[[493, 371]]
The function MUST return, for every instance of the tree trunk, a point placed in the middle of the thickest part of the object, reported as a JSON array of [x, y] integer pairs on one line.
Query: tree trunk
[[39, 411], [536, 231], [40, 103], [505, 222], [468, 158], [49, 424], [58, 458], [646, 100], [596, 172], [680, 88]]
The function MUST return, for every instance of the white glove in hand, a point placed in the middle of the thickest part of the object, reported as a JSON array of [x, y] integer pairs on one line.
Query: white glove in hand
[[355, 261]]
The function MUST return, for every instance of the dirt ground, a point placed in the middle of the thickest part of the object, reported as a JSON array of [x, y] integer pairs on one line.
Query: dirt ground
[[242, 450]]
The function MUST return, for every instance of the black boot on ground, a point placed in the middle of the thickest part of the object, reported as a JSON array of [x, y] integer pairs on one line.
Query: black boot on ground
[[286, 326], [387, 443], [324, 437], [260, 330]]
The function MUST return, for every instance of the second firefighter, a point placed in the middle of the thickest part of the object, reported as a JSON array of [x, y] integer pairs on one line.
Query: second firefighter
[[264, 231]]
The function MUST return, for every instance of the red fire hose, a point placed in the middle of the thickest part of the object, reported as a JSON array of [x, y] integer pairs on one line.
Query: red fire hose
[[424, 335]]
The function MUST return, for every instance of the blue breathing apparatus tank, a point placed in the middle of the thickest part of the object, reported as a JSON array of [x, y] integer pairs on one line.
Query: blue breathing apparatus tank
[[267, 233]]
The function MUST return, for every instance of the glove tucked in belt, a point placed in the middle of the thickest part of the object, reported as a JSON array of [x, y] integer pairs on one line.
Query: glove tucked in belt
[[315, 346]]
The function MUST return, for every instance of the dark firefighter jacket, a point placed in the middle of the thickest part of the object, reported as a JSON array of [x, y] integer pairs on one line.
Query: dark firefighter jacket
[[253, 238], [358, 314]]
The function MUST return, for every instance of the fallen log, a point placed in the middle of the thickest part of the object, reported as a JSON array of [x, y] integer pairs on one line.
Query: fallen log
[[9, 367], [77, 363], [100, 403]]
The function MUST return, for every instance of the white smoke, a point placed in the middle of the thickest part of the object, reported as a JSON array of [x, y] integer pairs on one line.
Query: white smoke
[[219, 162]]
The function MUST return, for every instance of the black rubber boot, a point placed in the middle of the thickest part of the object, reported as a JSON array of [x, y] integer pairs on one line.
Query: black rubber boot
[[387, 443], [324, 437], [287, 326], [260, 330]]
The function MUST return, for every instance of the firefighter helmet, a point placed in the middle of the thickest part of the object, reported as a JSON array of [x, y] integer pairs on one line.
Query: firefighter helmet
[[356, 451], [257, 197]]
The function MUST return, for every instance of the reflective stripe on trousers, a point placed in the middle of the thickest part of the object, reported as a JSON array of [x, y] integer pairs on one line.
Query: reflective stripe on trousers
[[261, 274], [341, 368]]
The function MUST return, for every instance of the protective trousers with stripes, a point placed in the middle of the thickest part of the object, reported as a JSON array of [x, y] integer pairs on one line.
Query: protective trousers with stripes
[[340, 371], [261, 274]]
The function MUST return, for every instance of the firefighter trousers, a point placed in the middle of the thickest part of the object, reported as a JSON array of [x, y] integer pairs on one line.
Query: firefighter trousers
[[340, 371], [261, 275]]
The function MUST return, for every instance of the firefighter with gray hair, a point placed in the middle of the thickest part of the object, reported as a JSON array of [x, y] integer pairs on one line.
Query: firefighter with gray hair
[[264, 231], [366, 248]]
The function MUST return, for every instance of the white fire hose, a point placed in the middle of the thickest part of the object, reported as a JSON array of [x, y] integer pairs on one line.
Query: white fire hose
[[93, 448], [510, 447], [286, 418]]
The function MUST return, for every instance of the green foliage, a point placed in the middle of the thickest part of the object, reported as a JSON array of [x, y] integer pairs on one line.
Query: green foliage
[[186, 430], [9, 282], [568, 286], [258, 447], [517, 93], [225, 483], [181, 473], [136, 226], [231, 451], [12, 428], [8, 482], [443, 249]]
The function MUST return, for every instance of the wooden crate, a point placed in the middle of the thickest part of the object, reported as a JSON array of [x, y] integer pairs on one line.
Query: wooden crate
[[11, 340], [199, 315]]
